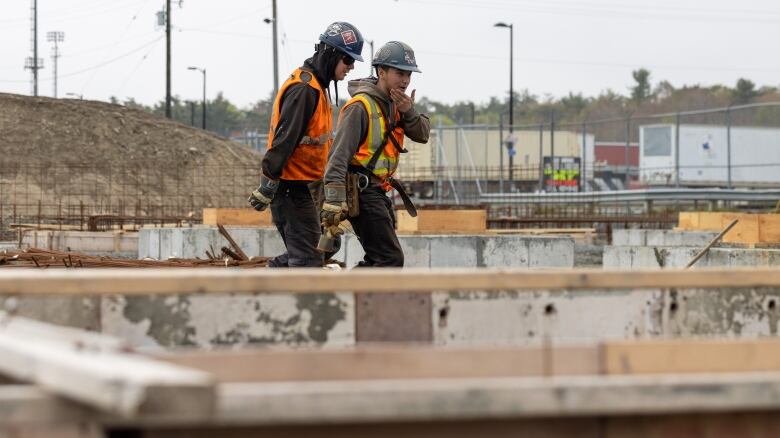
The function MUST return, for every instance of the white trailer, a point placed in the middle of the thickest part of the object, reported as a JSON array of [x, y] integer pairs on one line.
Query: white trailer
[[704, 155]]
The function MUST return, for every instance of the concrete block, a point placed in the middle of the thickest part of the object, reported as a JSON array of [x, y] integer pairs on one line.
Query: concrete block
[[353, 251], [628, 237], [417, 251], [143, 243], [166, 244], [154, 244], [244, 319], [453, 251], [523, 318], [248, 239], [272, 243], [550, 252], [503, 251]]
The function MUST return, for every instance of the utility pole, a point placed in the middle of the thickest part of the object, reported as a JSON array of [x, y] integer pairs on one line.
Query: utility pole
[[168, 58], [34, 64], [370, 67], [56, 37], [273, 22]]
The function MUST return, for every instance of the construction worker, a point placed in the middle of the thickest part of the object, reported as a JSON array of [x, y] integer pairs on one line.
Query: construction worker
[[299, 140], [367, 147]]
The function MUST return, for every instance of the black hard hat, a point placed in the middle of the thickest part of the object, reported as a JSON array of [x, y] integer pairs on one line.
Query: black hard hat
[[345, 38], [397, 55]]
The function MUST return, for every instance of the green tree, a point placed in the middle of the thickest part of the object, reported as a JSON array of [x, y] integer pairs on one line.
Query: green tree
[[745, 91], [641, 91]]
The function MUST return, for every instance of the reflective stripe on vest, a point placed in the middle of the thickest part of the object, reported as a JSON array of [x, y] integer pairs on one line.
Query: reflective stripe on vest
[[307, 162], [387, 160]]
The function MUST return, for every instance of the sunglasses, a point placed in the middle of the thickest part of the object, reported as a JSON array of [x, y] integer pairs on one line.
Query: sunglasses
[[348, 60]]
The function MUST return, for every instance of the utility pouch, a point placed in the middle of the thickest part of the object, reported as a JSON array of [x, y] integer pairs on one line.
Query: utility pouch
[[353, 194]]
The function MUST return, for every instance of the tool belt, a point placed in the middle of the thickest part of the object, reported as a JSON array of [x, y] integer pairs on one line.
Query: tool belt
[[360, 178]]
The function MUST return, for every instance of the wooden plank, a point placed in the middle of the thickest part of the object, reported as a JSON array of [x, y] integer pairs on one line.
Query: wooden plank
[[112, 381], [769, 228], [688, 221], [711, 221], [746, 230], [390, 362], [443, 221], [237, 216], [524, 397], [691, 356], [22, 405], [85, 282]]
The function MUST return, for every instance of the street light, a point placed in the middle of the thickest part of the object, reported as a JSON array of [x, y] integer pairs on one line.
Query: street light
[[510, 143], [202, 70]]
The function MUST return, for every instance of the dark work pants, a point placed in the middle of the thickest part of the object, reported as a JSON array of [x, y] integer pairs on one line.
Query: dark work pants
[[375, 228], [297, 220]]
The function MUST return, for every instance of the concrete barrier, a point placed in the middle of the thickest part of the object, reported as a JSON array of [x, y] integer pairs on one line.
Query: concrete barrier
[[633, 257], [629, 237], [421, 251]]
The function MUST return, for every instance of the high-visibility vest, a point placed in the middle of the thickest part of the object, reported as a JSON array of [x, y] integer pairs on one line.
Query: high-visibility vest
[[307, 162], [386, 162]]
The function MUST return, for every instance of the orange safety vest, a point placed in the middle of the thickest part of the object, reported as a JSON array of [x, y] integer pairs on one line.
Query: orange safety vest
[[386, 160], [307, 162]]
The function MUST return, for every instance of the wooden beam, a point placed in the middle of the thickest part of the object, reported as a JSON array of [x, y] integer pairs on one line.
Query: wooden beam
[[691, 356], [114, 382], [389, 362], [201, 281], [237, 217], [22, 405], [447, 399]]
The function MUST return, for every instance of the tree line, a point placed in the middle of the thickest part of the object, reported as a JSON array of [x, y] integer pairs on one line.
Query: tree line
[[643, 98]]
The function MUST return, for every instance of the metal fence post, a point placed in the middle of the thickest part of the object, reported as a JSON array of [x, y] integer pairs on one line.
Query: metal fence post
[[583, 166], [541, 157], [625, 153], [501, 153], [677, 152], [728, 145], [552, 148]]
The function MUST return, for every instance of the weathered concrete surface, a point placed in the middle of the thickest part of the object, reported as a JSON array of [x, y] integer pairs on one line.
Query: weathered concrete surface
[[632, 257], [629, 237], [531, 318], [79, 312], [207, 322], [117, 243], [419, 250]]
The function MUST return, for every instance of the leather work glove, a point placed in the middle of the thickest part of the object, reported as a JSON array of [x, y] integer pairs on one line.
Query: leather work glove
[[335, 205], [261, 198]]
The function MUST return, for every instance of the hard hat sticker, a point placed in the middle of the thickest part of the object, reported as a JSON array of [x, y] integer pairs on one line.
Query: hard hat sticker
[[349, 37]]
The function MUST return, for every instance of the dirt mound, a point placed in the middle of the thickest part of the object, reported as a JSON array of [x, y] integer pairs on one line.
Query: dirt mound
[[96, 153]]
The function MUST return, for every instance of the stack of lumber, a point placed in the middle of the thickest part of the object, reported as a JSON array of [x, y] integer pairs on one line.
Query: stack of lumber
[[752, 228]]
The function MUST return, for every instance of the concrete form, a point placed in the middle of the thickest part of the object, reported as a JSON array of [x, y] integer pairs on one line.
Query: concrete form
[[421, 251], [629, 237], [463, 313], [117, 243]]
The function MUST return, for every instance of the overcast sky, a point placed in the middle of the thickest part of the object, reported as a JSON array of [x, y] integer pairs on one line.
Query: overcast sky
[[112, 47]]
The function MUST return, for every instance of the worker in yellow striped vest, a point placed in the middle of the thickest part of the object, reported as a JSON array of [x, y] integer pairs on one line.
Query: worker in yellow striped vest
[[369, 141], [299, 140]]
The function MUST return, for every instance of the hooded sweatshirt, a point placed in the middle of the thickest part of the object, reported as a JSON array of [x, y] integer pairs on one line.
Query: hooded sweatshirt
[[298, 105], [353, 128]]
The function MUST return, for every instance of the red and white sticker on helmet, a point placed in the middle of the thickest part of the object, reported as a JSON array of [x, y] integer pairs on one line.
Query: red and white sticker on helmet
[[349, 37]]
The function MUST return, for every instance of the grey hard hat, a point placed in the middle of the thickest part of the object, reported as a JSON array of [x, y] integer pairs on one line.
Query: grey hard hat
[[397, 55]]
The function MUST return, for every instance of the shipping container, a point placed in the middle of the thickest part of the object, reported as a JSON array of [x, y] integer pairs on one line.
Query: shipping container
[[704, 155]]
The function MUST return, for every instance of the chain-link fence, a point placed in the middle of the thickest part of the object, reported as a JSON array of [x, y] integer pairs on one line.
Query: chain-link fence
[[493, 167]]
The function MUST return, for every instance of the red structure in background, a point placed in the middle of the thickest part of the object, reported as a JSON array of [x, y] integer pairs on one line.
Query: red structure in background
[[613, 154]]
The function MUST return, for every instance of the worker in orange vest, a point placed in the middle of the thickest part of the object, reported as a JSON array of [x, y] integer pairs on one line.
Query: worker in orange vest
[[368, 144], [299, 141]]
